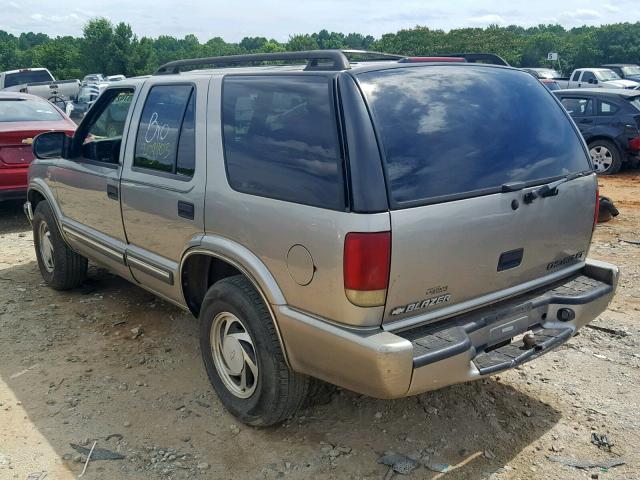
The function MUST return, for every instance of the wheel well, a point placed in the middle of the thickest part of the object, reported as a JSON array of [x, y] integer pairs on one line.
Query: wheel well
[[602, 137], [35, 197], [199, 272]]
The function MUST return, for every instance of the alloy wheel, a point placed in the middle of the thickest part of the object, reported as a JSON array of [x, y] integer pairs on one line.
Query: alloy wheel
[[601, 157]]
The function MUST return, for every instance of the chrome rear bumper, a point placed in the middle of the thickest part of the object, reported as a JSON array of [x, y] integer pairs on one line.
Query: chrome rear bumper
[[459, 349]]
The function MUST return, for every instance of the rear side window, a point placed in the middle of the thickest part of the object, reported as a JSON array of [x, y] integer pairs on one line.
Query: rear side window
[[166, 137], [466, 130], [280, 139], [607, 108]]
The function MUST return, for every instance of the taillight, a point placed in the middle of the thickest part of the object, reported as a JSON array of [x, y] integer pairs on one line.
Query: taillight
[[634, 144], [367, 259], [597, 209]]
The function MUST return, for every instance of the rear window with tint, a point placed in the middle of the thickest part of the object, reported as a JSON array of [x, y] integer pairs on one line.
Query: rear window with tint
[[451, 130], [280, 139], [29, 76], [21, 110]]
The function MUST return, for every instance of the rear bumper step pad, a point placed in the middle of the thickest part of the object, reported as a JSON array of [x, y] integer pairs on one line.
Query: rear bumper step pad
[[508, 356], [435, 342]]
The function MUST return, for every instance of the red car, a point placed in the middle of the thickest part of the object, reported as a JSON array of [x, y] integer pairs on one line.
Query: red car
[[22, 117]]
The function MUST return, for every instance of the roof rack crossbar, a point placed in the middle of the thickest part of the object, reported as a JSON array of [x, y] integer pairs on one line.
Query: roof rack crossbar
[[314, 58]]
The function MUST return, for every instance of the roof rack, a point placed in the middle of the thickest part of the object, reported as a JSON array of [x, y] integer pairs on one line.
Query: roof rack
[[316, 60]]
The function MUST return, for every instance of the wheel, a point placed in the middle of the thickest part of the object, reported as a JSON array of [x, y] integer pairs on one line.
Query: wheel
[[58, 101], [243, 358], [605, 156], [61, 267]]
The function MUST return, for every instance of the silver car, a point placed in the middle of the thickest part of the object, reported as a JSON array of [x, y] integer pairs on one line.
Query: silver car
[[384, 225]]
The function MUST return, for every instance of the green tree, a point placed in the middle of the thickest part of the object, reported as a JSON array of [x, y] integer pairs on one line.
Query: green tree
[[253, 44], [301, 42], [60, 55], [95, 46], [121, 50]]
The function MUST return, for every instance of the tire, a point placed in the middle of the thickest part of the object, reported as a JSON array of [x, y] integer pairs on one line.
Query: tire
[[606, 157], [320, 393], [61, 267], [238, 338]]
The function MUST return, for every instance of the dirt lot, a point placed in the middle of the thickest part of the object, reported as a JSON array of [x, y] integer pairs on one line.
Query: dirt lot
[[72, 371]]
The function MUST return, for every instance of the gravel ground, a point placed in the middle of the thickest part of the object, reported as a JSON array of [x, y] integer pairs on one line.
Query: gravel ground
[[111, 363]]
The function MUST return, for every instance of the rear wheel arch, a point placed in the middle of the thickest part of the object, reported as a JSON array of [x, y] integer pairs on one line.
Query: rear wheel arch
[[600, 137], [200, 269]]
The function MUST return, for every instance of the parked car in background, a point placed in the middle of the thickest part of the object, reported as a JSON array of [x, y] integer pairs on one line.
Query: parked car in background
[[93, 78], [387, 259], [115, 78], [628, 71], [40, 82], [609, 120], [87, 96], [596, 78], [22, 117], [542, 73]]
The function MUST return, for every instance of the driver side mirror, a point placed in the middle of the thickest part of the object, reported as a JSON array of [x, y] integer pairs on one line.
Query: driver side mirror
[[51, 145], [593, 81]]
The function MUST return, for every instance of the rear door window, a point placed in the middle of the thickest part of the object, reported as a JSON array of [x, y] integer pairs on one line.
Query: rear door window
[[280, 139], [463, 130], [166, 138], [578, 107]]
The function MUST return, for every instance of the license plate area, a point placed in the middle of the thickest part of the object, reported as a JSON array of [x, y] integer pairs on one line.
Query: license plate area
[[506, 324]]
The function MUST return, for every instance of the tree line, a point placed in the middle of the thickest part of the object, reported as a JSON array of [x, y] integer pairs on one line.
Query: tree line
[[116, 49]]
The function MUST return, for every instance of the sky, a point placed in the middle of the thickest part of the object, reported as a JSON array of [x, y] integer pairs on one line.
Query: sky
[[234, 19]]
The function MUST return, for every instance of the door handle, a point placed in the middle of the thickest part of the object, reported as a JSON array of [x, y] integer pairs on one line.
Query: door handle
[[186, 210], [112, 192]]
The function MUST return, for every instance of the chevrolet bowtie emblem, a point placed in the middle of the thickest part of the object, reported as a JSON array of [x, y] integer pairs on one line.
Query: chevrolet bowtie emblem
[[27, 141]]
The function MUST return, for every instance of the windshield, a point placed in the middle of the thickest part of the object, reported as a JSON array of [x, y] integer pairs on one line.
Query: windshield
[[451, 130], [633, 70], [606, 75], [21, 110], [28, 76]]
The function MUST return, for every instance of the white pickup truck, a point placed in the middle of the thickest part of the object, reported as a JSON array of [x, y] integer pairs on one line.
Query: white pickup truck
[[595, 78], [40, 82]]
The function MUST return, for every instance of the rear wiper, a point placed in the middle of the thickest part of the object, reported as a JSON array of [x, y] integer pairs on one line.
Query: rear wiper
[[551, 189]]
